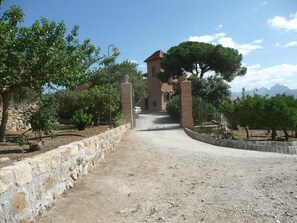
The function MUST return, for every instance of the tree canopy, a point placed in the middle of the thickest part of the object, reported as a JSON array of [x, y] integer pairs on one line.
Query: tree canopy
[[42, 54], [279, 112], [116, 76], [99, 99], [199, 58]]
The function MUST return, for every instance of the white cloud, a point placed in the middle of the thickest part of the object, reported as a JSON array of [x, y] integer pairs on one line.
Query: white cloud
[[224, 40], [206, 38], [279, 22], [291, 44], [258, 77]]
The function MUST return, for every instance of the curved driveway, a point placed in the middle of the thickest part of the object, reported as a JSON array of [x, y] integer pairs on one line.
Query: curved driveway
[[159, 174]]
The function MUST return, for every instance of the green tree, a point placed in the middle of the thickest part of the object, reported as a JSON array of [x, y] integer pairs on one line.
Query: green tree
[[249, 112], [212, 89], [116, 76], [39, 55], [199, 58], [99, 99], [281, 113], [44, 118], [135, 78], [221, 64], [68, 102], [202, 111]]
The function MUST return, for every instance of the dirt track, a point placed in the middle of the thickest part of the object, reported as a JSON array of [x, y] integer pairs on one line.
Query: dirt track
[[158, 174]]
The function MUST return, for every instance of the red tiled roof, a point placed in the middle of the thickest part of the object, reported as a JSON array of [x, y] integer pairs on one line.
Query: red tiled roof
[[155, 56]]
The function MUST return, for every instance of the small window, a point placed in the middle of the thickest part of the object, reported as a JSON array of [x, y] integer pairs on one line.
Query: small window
[[153, 72], [154, 103]]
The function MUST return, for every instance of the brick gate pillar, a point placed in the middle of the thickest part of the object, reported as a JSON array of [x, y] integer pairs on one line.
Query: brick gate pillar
[[127, 108], [186, 100]]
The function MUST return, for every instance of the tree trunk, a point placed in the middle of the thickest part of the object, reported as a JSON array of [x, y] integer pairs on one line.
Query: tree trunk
[[273, 134], [286, 134], [96, 119], [5, 105], [247, 133]]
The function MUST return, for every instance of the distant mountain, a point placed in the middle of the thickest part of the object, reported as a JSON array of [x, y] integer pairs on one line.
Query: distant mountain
[[276, 89]]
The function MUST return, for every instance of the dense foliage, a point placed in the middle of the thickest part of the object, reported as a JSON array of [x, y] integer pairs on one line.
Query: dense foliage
[[44, 118], [100, 99], [81, 119], [39, 55], [173, 108], [209, 67], [116, 76], [202, 110], [68, 103], [199, 58], [279, 112]]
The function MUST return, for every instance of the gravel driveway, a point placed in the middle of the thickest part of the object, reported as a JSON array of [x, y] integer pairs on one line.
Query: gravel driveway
[[159, 174]]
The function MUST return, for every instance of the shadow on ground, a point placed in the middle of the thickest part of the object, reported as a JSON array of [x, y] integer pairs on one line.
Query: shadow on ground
[[164, 122], [161, 128]]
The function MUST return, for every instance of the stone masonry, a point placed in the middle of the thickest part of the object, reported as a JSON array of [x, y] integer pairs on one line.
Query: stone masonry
[[265, 146], [28, 187], [17, 117]]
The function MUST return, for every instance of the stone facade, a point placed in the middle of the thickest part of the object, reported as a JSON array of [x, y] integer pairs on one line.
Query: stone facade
[[28, 187], [265, 146]]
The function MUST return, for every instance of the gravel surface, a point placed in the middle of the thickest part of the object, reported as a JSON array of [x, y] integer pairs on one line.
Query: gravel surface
[[159, 174]]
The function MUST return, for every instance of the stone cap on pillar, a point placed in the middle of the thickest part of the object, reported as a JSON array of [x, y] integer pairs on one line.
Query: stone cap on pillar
[[126, 78]]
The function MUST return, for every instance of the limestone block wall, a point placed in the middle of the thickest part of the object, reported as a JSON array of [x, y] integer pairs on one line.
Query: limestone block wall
[[17, 117], [28, 187], [266, 146]]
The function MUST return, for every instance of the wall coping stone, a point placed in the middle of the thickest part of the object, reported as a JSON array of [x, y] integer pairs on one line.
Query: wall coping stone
[[266, 146], [30, 186]]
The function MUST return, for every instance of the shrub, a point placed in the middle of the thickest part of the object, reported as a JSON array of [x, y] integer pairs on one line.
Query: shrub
[[173, 108], [44, 118], [68, 102], [81, 119], [119, 119], [202, 111]]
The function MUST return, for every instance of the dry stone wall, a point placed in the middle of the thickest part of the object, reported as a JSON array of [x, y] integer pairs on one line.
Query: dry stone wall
[[265, 146], [28, 187], [17, 118]]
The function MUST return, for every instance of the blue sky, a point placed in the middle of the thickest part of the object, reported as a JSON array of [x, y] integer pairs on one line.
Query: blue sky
[[264, 31]]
